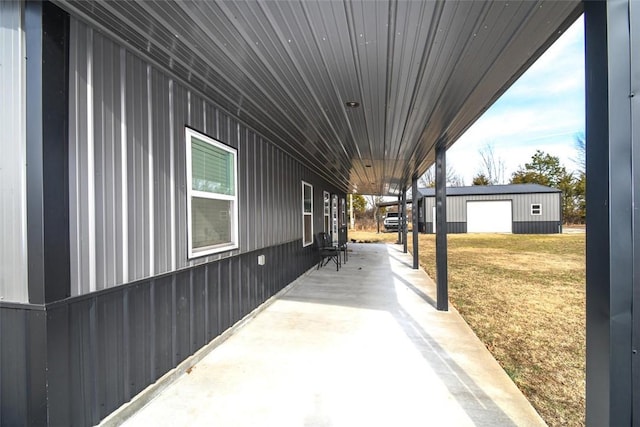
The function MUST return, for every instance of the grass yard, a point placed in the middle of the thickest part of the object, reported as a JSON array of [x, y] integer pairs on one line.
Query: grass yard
[[524, 296]]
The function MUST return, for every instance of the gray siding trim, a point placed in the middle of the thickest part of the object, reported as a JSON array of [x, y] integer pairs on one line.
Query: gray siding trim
[[13, 205], [127, 169], [536, 227]]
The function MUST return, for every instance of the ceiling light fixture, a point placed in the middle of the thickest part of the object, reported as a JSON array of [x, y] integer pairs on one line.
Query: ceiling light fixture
[[352, 104]]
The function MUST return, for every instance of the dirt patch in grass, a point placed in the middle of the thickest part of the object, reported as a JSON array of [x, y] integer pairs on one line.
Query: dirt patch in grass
[[524, 296]]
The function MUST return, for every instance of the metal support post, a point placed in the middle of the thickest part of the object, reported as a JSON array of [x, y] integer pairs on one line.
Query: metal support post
[[403, 221], [442, 284], [414, 221], [399, 212], [613, 222]]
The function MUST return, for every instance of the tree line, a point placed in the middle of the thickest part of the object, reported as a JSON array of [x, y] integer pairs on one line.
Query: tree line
[[545, 169]]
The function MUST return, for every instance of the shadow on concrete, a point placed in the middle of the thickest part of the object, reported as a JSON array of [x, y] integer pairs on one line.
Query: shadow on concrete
[[368, 281]]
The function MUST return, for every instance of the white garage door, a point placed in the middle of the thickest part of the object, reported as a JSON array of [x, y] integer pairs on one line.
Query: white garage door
[[489, 216]]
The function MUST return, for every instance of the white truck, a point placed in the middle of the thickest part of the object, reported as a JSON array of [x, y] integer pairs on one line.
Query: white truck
[[391, 221]]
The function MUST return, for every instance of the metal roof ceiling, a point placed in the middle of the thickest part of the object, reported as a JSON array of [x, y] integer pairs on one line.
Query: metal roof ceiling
[[421, 71]]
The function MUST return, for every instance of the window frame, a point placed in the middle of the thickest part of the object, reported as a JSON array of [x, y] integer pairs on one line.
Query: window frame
[[193, 253], [326, 200], [306, 243], [538, 207]]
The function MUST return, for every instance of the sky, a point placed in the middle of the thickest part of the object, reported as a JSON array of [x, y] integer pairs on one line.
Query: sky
[[543, 110]]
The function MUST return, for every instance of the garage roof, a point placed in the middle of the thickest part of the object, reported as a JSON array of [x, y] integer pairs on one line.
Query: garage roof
[[476, 190], [420, 72]]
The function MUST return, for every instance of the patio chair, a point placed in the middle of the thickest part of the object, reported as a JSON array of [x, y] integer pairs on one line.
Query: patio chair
[[328, 252]]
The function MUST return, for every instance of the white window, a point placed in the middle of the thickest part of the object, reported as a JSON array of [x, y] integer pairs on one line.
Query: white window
[[536, 209], [327, 211], [212, 200], [307, 214]]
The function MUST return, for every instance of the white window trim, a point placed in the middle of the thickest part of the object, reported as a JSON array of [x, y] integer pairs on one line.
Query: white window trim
[[304, 183], [539, 208], [197, 253], [326, 210]]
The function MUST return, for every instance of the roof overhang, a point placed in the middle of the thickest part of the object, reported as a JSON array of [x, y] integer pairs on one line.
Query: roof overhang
[[421, 72]]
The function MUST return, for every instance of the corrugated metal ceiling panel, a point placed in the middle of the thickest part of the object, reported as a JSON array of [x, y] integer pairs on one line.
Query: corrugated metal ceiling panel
[[421, 71]]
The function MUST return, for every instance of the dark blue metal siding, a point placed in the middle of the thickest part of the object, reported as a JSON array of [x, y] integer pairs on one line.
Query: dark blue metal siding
[[536, 227], [452, 227], [456, 227], [21, 395]]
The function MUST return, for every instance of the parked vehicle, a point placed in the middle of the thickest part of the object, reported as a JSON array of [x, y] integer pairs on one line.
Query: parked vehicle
[[391, 221]]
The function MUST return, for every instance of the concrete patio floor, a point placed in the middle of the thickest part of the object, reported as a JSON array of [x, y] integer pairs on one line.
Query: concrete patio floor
[[363, 346]]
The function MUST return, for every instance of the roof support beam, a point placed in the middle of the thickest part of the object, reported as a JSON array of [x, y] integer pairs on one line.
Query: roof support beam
[[442, 283], [613, 225], [414, 221]]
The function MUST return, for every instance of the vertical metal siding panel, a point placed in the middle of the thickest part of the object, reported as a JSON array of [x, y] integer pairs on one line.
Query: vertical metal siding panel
[[210, 121], [162, 320], [296, 214], [139, 348], [182, 321], [13, 227], [456, 209], [89, 236], [172, 173], [82, 358], [59, 367], [161, 172], [100, 172], [252, 207], [225, 295], [136, 118], [199, 303], [123, 217], [149, 185], [111, 113], [13, 367], [196, 118], [261, 199], [243, 173], [81, 162], [181, 112], [74, 173], [271, 212], [213, 304], [110, 353], [270, 196], [278, 190]]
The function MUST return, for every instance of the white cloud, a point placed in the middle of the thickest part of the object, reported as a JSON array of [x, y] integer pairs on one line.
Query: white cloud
[[543, 110]]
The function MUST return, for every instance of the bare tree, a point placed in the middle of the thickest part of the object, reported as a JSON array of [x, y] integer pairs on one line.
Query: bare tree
[[428, 179], [374, 201], [491, 166], [581, 153]]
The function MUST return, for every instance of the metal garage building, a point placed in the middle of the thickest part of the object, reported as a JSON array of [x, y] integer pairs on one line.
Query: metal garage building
[[516, 208]]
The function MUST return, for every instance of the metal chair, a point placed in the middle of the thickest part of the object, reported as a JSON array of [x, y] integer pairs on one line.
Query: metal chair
[[328, 252]]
